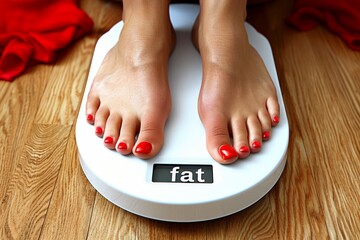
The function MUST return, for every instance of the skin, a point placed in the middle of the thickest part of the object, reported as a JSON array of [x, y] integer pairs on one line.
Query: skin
[[237, 97], [130, 94], [130, 98]]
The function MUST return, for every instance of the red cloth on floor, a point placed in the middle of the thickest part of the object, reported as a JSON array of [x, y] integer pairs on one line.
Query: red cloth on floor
[[340, 16], [34, 30]]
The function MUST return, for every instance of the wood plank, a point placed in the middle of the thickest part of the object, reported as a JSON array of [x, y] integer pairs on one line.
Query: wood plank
[[315, 90], [255, 222], [33, 181], [19, 100], [260, 224], [71, 205], [339, 150], [296, 196], [110, 222], [65, 85]]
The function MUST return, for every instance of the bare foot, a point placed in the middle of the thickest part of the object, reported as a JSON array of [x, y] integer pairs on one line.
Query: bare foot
[[129, 100], [237, 102]]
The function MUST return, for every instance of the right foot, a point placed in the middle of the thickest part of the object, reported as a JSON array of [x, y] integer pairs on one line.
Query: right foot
[[129, 100], [237, 101]]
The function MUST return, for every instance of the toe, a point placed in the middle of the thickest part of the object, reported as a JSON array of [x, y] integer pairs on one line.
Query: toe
[[100, 121], [265, 122], [92, 104], [127, 135], [255, 133], [274, 110], [240, 137], [111, 133], [218, 140], [151, 137]]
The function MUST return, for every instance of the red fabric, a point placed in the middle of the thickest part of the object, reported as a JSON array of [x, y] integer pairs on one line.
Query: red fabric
[[34, 30], [340, 16]]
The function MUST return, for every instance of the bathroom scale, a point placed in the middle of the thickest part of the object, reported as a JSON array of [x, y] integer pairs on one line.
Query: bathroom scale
[[178, 185]]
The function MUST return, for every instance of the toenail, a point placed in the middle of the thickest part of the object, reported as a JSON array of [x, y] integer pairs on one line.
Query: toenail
[[227, 152], [90, 117], [143, 147], [109, 140], [244, 149], [122, 146], [256, 144], [266, 135], [98, 130], [276, 119]]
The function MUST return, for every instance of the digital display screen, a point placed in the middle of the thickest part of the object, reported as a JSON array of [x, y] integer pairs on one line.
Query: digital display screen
[[182, 173]]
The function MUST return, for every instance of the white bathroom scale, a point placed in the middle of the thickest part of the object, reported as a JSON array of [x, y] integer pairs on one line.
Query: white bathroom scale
[[181, 185]]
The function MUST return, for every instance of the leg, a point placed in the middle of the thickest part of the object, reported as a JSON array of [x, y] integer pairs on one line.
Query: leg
[[130, 96], [237, 97]]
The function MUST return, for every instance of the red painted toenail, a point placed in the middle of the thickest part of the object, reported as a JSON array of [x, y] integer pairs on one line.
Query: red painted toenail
[[266, 135], [122, 146], [227, 152], [109, 140], [276, 119], [256, 144], [98, 130], [90, 117], [143, 147], [244, 149]]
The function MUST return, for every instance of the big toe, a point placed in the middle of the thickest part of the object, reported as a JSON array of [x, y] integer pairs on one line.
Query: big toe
[[151, 137], [218, 140]]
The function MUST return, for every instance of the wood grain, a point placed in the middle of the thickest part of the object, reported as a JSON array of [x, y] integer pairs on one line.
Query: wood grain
[[68, 210], [32, 183], [45, 195], [64, 86]]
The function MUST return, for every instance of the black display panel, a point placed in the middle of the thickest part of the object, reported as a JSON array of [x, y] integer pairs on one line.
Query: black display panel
[[182, 173]]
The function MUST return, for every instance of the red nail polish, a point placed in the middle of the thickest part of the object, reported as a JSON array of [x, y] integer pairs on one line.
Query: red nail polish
[[98, 130], [122, 146], [227, 152], [266, 135], [276, 119], [256, 144], [109, 140], [90, 117], [244, 149], [143, 147]]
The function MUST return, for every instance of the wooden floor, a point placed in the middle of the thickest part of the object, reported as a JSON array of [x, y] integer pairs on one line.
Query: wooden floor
[[45, 195]]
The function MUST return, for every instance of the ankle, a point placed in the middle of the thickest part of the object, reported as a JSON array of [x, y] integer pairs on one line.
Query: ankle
[[145, 8], [220, 21], [216, 9]]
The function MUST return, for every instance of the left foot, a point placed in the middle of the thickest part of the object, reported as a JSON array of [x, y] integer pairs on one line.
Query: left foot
[[237, 102], [129, 100]]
